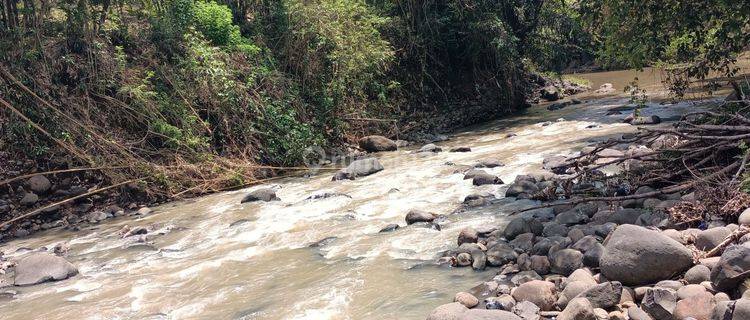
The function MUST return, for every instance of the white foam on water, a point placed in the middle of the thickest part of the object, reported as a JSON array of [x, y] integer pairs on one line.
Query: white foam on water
[[331, 304]]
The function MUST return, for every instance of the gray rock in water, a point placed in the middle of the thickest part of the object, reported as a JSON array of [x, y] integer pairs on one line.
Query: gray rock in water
[[266, 194], [415, 216], [39, 184], [732, 267], [471, 174], [461, 149], [359, 168], [323, 242], [486, 178], [635, 255], [39, 267], [659, 302], [430, 148], [489, 163], [377, 143], [389, 228], [326, 195], [468, 235]]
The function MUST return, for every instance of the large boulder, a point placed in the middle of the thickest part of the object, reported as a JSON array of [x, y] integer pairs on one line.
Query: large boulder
[[538, 292], [635, 255], [359, 168], [733, 267], [265, 194], [377, 143], [39, 267]]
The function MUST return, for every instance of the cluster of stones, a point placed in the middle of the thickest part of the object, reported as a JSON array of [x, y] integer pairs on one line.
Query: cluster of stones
[[601, 261], [39, 191]]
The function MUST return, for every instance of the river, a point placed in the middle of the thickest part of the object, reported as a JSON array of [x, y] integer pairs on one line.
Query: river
[[221, 259]]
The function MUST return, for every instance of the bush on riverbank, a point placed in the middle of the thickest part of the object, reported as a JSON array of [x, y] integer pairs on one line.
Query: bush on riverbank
[[190, 96]]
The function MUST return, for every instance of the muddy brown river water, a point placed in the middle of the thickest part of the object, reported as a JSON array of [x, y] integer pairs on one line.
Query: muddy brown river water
[[224, 260]]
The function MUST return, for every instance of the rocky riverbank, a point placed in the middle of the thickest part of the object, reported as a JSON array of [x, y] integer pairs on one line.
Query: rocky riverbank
[[632, 258]]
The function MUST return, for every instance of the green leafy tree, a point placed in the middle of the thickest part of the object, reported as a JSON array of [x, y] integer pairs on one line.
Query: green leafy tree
[[695, 37]]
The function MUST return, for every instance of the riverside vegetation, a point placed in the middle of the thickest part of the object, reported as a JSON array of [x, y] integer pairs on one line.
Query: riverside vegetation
[[108, 107]]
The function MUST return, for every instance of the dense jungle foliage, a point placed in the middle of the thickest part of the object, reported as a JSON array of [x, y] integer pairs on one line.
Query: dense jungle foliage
[[197, 95]]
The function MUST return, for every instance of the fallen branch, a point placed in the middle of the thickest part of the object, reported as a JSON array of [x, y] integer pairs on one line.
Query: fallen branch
[[732, 238], [663, 191]]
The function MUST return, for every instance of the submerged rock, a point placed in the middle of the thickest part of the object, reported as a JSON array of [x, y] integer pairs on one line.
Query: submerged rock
[[39, 267], [359, 168], [430, 148], [389, 228], [461, 149], [266, 194]]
